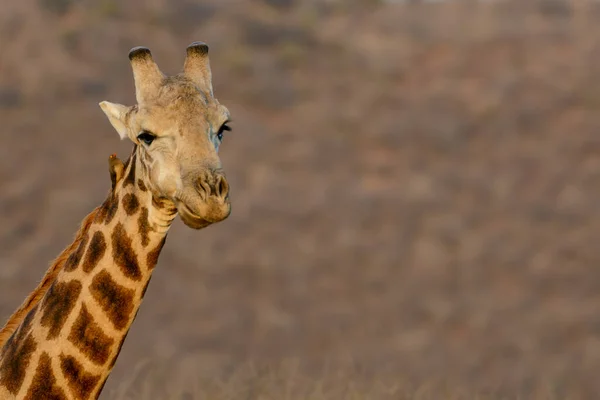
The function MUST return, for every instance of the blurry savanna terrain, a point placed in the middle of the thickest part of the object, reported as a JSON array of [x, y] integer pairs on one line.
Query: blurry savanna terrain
[[415, 189]]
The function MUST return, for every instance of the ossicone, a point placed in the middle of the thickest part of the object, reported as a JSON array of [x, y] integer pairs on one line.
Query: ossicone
[[197, 66], [146, 74]]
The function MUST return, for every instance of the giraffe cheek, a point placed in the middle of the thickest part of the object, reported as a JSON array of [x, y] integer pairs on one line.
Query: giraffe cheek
[[167, 183]]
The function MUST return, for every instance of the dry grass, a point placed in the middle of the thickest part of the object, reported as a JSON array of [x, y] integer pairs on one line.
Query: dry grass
[[288, 381]]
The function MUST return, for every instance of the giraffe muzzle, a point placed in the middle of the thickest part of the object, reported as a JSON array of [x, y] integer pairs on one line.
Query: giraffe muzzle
[[212, 203]]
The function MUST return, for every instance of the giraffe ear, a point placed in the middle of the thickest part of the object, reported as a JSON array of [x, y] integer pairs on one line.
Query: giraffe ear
[[118, 115]]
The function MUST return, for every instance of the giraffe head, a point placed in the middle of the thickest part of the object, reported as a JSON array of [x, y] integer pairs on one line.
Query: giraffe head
[[177, 126]]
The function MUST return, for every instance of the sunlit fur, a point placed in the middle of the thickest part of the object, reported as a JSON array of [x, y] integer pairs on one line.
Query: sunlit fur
[[65, 338]]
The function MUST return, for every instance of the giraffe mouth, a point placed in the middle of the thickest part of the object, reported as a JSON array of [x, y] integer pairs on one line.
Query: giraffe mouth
[[212, 215]]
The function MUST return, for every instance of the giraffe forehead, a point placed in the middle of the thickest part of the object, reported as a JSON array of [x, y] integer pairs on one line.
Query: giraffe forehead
[[181, 106], [179, 96], [179, 117]]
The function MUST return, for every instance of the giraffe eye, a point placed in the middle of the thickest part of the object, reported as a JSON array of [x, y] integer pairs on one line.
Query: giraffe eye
[[222, 129], [146, 137]]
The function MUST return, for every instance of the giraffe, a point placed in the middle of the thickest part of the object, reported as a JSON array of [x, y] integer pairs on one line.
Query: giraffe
[[63, 342]]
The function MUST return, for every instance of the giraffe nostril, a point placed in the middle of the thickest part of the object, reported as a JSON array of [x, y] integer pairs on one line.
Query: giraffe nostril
[[203, 188], [222, 187]]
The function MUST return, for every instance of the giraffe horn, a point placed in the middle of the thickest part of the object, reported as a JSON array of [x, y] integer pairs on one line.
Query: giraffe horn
[[197, 67], [146, 74]]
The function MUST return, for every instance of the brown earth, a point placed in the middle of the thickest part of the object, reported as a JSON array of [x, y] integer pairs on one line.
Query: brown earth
[[416, 193]]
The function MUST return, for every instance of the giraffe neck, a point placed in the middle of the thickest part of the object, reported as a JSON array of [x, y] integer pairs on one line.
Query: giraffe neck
[[34, 297], [68, 343]]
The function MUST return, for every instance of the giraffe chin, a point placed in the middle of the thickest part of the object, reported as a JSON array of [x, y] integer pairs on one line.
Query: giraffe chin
[[211, 216]]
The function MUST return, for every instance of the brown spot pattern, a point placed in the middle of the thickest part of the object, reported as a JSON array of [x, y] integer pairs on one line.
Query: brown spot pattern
[[144, 226], [89, 338], [95, 252], [80, 382], [123, 253], [102, 210], [44, 382], [15, 360], [142, 186], [73, 260], [26, 324], [152, 257], [57, 305], [20, 332], [114, 299], [130, 178], [116, 356], [130, 203], [112, 208], [108, 209]]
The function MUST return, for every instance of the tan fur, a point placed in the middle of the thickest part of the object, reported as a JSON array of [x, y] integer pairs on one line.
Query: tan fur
[[90, 295]]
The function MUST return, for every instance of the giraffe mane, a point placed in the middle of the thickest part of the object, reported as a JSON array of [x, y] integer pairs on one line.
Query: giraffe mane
[[34, 297]]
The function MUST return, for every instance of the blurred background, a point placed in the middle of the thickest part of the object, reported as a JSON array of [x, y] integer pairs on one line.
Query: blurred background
[[415, 188]]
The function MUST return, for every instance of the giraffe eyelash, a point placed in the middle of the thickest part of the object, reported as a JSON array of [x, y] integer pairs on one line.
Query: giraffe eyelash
[[224, 128], [146, 137]]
